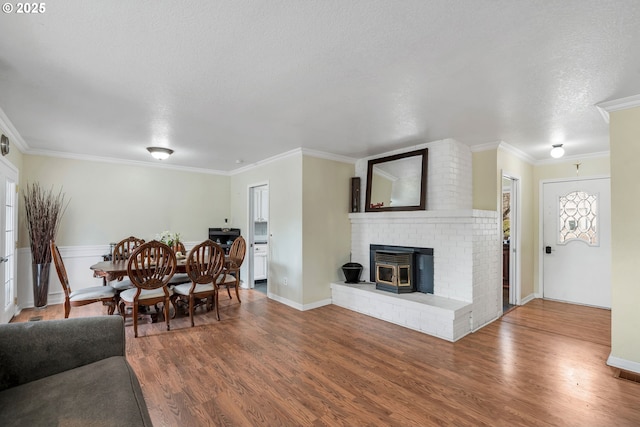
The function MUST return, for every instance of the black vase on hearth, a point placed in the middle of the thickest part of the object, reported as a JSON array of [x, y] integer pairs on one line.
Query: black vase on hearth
[[352, 272]]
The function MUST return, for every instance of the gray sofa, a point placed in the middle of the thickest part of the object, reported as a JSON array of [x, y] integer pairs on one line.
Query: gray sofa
[[70, 372]]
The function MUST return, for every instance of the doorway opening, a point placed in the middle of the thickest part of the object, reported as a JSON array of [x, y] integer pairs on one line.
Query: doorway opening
[[510, 242], [259, 237]]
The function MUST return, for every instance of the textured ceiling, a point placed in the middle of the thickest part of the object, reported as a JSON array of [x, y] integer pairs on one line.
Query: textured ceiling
[[219, 81]]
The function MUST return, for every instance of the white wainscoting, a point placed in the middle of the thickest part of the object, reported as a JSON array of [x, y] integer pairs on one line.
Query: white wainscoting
[[77, 260]]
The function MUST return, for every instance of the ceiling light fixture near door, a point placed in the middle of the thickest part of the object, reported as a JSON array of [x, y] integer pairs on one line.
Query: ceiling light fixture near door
[[160, 153], [557, 151]]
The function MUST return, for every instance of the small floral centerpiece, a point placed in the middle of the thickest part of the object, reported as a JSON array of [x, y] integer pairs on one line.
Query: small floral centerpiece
[[168, 238]]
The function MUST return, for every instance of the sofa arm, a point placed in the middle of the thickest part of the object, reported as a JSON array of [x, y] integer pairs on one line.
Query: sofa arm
[[34, 350]]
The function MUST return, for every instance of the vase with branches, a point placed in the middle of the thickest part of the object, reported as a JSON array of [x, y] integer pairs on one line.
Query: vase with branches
[[44, 210]]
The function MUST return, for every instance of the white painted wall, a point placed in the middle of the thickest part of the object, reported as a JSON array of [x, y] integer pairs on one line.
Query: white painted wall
[[108, 202], [326, 226], [308, 224], [284, 176]]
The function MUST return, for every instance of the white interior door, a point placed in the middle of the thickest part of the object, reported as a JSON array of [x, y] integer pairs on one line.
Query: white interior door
[[8, 217], [576, 249]]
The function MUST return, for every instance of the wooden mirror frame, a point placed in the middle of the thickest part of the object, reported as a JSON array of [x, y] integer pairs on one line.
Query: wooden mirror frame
[[423, 182]]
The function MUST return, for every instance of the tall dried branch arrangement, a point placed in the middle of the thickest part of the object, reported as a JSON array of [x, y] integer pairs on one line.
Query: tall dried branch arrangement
[[44, 213]]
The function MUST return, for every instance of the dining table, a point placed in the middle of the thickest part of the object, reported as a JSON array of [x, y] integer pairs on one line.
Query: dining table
[[116, 270]]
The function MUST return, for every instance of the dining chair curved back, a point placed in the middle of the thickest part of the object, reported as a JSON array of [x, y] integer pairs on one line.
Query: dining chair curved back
[[125, 247], [150, 267], [231, 276], [238, 251], [121, 252], [179, 278], [204, 264], [179, 247], [83, 296]]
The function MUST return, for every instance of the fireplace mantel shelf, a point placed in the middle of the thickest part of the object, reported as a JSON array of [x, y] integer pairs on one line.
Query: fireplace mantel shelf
[[458, 213]]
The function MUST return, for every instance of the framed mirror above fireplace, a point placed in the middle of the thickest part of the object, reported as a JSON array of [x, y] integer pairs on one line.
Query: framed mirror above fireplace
[[397, 182]]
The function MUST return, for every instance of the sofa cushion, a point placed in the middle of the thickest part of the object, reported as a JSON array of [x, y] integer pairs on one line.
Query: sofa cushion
[[33, 350], [103, 393]]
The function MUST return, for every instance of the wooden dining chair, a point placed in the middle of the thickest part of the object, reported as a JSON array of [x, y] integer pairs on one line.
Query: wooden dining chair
[[121, 252], [179, 278], [204, 264], [231, 270], [150, 267], [125, 247], [179, 247], [104, 294]]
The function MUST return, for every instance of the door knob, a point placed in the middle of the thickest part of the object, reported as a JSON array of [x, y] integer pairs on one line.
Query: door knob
[[547, 249]]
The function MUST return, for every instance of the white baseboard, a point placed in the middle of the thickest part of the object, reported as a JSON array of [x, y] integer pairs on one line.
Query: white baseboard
[[285, 301], [297, 306], [316, 304], [624, 364], [528, 299]]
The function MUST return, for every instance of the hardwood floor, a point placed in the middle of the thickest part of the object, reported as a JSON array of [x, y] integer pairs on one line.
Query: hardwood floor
[[264, 363]]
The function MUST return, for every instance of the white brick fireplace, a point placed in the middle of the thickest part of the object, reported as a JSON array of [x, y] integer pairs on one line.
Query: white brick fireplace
[[466, 252]]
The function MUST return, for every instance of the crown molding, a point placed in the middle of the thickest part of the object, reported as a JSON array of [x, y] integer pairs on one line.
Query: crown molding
[[286, 154], [478, 148], [14, 136], [485, 147], [617, 104], [295, 152], [328, 156], [504, 147], [566, 159], [85, 157], [517, 152]]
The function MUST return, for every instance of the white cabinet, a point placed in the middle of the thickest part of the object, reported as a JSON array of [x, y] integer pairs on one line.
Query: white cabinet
[[259, 261], [261, 204]]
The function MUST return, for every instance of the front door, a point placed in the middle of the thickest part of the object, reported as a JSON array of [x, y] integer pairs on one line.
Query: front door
[[8, 179], [576, 250]]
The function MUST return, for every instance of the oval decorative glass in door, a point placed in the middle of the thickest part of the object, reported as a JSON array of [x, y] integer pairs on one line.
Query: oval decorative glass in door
[[578, 211]]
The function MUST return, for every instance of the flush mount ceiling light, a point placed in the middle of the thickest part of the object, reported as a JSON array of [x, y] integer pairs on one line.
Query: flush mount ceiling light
[[557, 151], [160, 153]]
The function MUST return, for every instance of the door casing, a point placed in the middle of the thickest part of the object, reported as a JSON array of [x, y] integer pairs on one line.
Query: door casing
[[8, 193]]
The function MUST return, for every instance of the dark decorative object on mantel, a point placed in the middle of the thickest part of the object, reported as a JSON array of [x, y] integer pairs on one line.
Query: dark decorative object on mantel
[[355, 194], [44, 211], [352, 272]]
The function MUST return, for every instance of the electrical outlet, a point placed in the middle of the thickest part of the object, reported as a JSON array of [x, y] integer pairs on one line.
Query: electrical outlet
[[284, 281]]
